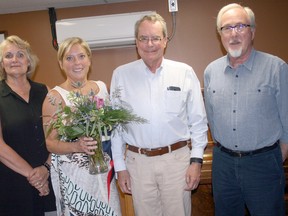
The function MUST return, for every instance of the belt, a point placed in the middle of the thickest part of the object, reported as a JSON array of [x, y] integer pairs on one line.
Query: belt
[[158, 151], [246, 153]]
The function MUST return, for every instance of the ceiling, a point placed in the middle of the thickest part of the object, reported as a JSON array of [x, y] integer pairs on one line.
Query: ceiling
[[17, 6]]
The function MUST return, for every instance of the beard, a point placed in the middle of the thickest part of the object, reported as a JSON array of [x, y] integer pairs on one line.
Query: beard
[[235, 53]]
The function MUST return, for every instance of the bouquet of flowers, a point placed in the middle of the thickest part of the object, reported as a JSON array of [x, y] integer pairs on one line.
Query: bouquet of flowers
[[94, 117]]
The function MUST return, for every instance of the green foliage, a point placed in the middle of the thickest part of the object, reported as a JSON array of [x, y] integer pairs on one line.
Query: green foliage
[[89, 116]]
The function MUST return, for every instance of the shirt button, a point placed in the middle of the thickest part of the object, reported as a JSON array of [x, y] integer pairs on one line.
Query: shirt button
[[235, 93], [236, 76], [234, 111], [234, 129], [236, 146]]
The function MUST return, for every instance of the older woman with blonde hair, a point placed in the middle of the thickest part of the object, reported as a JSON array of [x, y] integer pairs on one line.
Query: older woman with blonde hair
[[25, 160]]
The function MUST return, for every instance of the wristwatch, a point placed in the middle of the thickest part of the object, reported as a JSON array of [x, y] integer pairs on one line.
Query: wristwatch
[[47, 166], [196, 160]]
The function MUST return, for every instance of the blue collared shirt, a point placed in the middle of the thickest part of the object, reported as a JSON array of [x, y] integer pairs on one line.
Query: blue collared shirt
[[247, 106]]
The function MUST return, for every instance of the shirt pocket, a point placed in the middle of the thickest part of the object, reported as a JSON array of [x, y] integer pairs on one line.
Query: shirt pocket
[[261, 100], [217, 99], [175, 101]]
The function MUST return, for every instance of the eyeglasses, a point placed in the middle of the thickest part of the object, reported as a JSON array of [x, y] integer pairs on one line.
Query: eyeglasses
[[239, 28], [154, 39]]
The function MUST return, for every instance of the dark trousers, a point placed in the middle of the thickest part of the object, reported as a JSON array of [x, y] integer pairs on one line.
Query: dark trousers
[[257, 181]]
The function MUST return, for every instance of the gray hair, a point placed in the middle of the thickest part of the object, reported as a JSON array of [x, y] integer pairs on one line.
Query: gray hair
[[250, 14], [152, 18]]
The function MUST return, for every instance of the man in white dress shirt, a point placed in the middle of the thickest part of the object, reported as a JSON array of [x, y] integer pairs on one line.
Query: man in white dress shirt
[[157, 170]]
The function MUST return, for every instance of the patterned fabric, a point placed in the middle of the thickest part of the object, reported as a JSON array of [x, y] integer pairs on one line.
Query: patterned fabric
[[78, 192]]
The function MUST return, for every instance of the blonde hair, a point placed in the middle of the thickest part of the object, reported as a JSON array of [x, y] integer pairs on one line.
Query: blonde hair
[[66, 45], [23, 45]]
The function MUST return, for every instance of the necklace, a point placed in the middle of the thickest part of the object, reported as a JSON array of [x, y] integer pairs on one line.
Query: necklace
[[78, 84]]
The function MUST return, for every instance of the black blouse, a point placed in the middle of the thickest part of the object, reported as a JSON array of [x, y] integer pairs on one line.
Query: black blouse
[[22, 130]]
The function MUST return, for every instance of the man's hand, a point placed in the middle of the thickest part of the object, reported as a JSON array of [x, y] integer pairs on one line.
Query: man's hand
[[193, 176], [284, 150], [124, 181]]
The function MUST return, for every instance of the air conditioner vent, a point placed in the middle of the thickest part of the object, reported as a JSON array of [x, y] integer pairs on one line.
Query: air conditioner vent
[[101, 32]]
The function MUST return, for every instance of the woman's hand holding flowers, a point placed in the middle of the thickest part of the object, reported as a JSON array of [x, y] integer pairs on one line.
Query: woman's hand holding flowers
[[85, 121], [87, 145]]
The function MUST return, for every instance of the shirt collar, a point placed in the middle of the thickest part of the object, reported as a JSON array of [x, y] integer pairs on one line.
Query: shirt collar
[[158, 71], [6, 90], [248, 64]]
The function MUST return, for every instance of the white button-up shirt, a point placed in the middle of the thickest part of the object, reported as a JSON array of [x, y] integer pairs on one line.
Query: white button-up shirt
[[171, 102]]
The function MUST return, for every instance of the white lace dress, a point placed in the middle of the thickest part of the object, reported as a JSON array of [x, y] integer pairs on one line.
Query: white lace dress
[[77, 192]]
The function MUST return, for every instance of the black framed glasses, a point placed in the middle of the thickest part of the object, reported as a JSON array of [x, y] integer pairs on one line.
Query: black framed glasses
[[239, 28], [153, 39]]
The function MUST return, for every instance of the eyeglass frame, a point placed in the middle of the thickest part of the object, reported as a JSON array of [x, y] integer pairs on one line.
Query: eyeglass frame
[[153, 39], [238, 28]]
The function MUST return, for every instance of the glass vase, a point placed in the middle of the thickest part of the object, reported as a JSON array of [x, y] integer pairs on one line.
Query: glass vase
[[97, 162]]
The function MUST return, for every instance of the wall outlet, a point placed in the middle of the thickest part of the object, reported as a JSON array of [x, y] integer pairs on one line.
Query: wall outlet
[[173, 6]]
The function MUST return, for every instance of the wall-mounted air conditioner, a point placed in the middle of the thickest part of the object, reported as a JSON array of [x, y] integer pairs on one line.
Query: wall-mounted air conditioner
[[101, 32]]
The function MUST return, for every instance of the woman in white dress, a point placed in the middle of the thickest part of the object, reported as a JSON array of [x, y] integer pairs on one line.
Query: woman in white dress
[[77, 192]]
